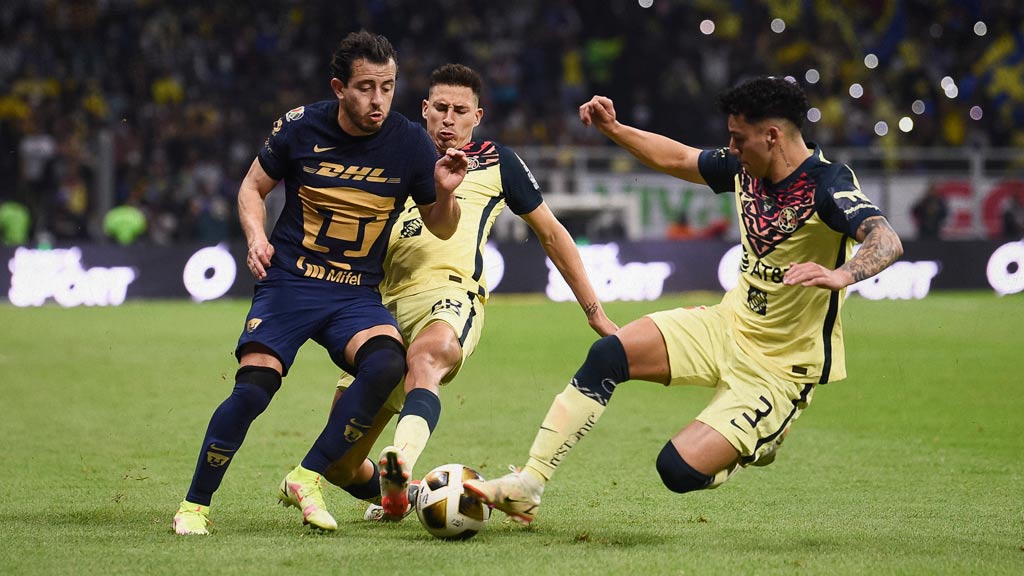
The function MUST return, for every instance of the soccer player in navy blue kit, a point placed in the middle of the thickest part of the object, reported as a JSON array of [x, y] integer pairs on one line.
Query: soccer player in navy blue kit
[[348, 167]]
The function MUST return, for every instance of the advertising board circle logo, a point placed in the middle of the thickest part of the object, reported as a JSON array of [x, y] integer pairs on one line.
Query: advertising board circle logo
[[209, 273]]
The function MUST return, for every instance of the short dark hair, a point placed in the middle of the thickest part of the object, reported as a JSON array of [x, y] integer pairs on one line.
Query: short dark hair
[[457, 75], [361, 45], [766, 97]]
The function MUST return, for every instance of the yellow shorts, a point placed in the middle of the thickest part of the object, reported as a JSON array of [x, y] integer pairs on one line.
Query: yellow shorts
[[751, 407], [461, 310]]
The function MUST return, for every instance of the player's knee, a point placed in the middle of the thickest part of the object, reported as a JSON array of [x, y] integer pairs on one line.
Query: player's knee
[[676, 474], [384, 357], [606, 367], [438, 356], [608, 354], [255, 386]]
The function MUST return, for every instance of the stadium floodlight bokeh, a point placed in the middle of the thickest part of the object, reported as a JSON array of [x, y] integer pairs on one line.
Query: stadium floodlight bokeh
[[103, 103]]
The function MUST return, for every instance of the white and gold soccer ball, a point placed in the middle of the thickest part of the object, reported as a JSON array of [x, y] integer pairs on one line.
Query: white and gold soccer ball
[[444, 509]]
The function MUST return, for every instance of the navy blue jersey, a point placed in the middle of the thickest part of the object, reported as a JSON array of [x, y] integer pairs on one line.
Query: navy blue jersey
[[343, 192]]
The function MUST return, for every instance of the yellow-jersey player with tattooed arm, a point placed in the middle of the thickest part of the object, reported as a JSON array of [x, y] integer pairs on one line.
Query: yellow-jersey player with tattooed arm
[[773, 337]]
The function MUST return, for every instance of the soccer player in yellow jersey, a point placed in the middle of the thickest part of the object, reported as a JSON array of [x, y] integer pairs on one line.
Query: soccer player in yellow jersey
[[437, 289], [772, 338]]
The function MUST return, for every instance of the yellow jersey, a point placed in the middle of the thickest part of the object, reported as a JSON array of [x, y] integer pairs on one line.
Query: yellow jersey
[[810, 216], [416, 260]]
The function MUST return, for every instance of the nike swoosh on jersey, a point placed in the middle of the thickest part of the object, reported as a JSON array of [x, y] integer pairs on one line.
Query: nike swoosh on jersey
[[318, 149]]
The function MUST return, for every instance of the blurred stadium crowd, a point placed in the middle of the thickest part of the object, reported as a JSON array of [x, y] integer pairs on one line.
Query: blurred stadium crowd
[[187, 91]]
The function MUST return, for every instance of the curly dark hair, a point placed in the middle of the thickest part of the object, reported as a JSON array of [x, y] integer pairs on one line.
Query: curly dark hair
[[456, 75], [361, 45], [766, 97]]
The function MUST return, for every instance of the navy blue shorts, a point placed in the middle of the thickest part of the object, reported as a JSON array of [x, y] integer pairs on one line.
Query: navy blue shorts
[[288, 310]]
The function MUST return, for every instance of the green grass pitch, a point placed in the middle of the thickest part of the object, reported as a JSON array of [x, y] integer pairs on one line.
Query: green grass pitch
[[913, 465]]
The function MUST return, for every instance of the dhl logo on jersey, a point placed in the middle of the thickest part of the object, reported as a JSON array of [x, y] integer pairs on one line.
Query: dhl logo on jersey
[[332, 170]]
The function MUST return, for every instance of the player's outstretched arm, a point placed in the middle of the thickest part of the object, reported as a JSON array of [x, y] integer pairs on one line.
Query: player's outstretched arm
[[442, 217], [880, 247], [656, 151], [252, 213], [561, 249]]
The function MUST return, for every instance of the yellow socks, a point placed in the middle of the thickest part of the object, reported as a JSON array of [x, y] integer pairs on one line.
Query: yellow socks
[[411, 436], [571, 416]]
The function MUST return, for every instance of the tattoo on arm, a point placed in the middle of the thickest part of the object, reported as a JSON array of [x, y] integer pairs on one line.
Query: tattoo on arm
[[590, 309], [881, 248]]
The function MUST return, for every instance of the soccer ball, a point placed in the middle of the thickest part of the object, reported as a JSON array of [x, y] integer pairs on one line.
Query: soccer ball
[[444, 509]]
